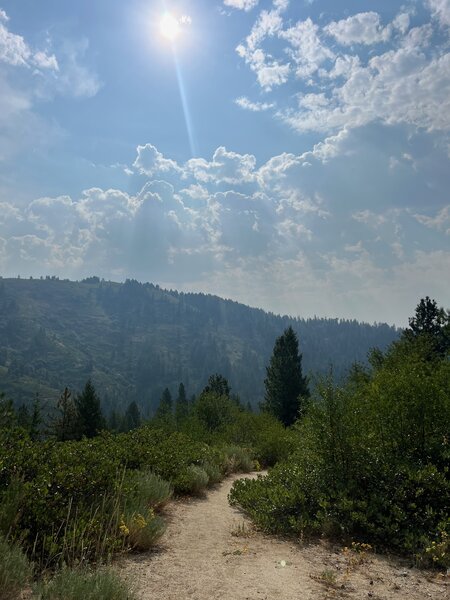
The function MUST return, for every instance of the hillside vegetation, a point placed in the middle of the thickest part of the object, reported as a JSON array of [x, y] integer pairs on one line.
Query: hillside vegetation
[[133, 340]]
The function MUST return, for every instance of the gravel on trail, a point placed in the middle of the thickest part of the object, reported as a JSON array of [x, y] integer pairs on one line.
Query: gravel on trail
[[211, 551]]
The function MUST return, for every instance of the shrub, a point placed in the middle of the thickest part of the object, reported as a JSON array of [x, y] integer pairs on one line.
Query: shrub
[[15, 571], [10, 505], [371, 462], [145, 489], [85, 585], [141, 530], [239, 459], [192, 480], [214, 472]]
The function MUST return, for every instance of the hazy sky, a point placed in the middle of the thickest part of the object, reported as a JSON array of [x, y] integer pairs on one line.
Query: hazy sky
[[289, 154]]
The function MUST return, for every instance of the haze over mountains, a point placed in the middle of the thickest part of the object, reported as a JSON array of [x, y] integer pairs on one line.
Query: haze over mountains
[[135, 339]]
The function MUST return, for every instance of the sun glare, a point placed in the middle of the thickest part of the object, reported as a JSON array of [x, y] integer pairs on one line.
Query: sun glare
[[169, 27]]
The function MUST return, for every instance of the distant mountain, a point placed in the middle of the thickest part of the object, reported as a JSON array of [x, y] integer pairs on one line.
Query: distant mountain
[[135, 339]]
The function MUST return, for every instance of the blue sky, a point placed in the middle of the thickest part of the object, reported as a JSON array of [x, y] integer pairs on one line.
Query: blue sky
[[289, 154]]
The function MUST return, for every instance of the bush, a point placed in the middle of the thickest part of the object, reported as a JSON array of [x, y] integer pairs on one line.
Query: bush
[[371, 462], [15, 571], [239, 459], [85, 585], [192, 480], [145, 489], [141, 530], [213, 471]]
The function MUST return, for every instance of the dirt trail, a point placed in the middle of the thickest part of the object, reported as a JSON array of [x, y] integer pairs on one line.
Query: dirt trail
[[211, 552]]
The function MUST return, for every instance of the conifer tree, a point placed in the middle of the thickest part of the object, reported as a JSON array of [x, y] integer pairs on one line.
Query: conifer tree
[[286, 387], [182, 405], [164, 412], [89, 413], [64, 426], [132, 416]]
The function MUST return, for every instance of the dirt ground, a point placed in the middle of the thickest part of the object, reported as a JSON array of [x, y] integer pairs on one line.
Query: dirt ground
[[211, 551]]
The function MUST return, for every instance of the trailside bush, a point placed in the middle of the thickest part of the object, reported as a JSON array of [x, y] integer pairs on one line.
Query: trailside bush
[[85, 585], [192, 480], [72, 494], [15, 571], [372, 462]]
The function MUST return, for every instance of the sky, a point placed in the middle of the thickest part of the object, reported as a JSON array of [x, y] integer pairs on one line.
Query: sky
[[293, 155]]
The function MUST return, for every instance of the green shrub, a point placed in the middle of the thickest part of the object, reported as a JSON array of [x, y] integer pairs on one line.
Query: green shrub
[[192, 480], [15, 571], [145, 489], [11, 500], [239, 460], [141, 530], [370, 464], [85, 585], [213, 471]]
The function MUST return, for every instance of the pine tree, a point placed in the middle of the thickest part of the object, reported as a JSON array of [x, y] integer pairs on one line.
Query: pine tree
[[286, 387], [218, 385], [132, 416], [64, 426], [181, 406], [89, 413], [431, 325], [164, 413]]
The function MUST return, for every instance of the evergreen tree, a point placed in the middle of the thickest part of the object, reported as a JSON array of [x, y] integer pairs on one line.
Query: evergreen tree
[[64, 426], [23, 417], [8, 417], [182, 405], [431, 325], [164, 412], [286, 388], [35, 419], [132, 419], [218, 385], [89, 413]]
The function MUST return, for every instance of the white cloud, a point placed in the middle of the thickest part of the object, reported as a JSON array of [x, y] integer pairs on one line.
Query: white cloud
[[13, 48], [306, 50], [362, 28], [150, 161], [440, 222], [399, 86], [224, 225], [241, 4], [247, 104], [441, 10]]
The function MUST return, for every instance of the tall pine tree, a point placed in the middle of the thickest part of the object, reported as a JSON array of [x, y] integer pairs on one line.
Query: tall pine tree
[[286, 387], [89, 413], [181, 406]]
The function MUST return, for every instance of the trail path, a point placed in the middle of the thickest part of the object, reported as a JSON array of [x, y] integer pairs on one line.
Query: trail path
[[211, 552]]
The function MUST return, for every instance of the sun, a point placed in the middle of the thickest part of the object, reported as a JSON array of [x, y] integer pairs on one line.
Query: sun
[[169, 27]]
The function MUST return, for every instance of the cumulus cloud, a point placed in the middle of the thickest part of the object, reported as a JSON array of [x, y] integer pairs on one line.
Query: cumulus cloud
[[441, 10], [404, 80], [362, 28], [241, 4], [440, 222], [229, 225], [247, 104], [150, 161]]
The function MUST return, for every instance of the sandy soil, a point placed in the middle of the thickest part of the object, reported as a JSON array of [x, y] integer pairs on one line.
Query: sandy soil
[[210, 551]]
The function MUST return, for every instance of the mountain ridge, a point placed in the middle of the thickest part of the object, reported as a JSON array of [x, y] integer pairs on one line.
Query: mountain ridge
[[134, 339]]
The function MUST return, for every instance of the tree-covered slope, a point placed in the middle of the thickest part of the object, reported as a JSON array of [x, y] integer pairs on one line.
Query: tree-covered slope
[[135, 339]]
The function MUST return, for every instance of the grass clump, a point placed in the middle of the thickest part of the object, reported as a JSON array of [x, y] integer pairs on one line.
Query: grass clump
[[15, 571], [85, 585]]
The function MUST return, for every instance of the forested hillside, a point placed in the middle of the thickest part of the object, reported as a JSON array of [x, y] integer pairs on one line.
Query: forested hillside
[[135, 339]]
